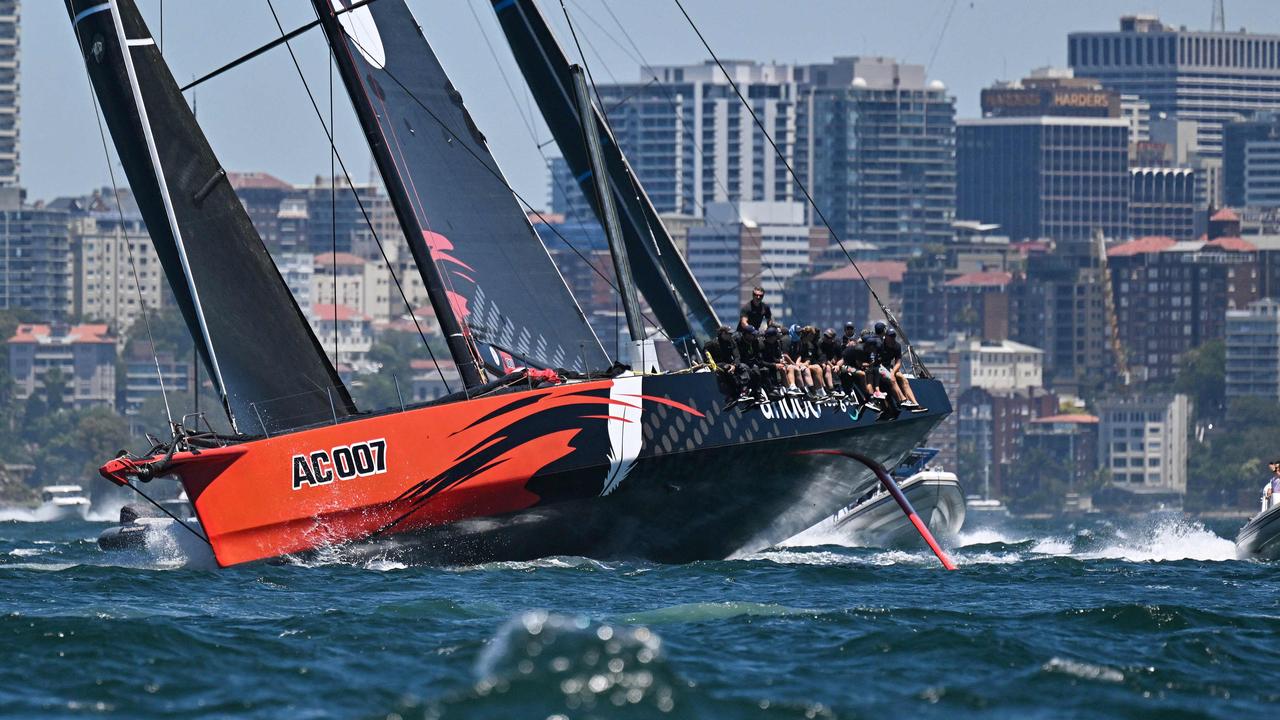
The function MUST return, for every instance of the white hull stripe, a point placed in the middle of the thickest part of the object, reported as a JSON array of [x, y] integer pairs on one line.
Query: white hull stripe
[[142, 42]]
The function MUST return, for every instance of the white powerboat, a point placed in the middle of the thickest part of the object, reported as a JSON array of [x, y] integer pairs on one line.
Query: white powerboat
[[61, 502], [875, 520]]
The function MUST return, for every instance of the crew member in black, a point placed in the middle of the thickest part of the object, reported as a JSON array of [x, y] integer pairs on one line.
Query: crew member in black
[[774, 362], [723, 353], [749, 356], [756, 311], [829, 352], [809, 361], [850, 334], [852, 369], [891, 360]]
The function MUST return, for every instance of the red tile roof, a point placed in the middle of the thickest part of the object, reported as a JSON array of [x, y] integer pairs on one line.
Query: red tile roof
[[34, 333], [1141, 246], [989, 278], [891, 270], [1078, 418], [1234, 244], [325, 313], [342, 259], [256, 180], [1225, 215]]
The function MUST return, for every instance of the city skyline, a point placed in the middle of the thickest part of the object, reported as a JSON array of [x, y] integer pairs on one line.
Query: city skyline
[[61, 153]]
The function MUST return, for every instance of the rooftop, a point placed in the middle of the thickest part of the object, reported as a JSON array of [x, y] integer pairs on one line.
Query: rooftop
[[256, 181], [1141, 246], [44, 334], [1075, 418], [341, 259], [326, 313], [891, 270], [989, 278]]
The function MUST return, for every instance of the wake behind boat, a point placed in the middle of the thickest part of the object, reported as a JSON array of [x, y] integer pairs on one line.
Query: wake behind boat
[[550, 447]]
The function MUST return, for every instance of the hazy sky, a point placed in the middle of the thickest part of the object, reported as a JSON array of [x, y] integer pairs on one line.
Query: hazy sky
[[258, 116]]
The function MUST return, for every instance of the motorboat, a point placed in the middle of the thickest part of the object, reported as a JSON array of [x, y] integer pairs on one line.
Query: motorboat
[[138, 522], [63, 502], [875, 520], [1260, 538]]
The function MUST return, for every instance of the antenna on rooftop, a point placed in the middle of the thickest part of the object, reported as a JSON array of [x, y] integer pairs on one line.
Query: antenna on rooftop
[[1219, 23]]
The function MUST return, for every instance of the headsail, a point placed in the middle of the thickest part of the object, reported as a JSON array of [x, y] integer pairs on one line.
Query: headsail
[[263, 358], [487, 271], [658, 266]]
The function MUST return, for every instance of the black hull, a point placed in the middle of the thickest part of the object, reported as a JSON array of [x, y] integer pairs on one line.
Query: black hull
[[692, 497], [1260, 539]]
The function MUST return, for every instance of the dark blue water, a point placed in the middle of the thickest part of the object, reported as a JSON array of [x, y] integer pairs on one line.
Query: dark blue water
[[1097, 619]]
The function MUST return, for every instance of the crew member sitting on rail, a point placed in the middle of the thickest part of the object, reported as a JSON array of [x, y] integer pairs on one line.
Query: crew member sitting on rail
[[756, 311], [891, 361], [809, 361], [774, 361], [749, 356], [850, 334], [829, 350], [723, 353], [855, 361]]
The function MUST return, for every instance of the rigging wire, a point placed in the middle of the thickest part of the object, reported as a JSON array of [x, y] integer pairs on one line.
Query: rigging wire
[[893, 320], [359, 202], [941, 34], [124, 229]]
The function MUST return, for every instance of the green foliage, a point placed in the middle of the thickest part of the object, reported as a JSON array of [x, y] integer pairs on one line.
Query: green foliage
[[1037, 481], [69, 445], [1228, 468], [1201, 377]]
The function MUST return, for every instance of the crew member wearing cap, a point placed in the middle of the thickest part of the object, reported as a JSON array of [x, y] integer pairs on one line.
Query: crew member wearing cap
[[891, 363], [830, 350], [756, 311], [723, 353], [850, 334], [775, 361], [749, 356]]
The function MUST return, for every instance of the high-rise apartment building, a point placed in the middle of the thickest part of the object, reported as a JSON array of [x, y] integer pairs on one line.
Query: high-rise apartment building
[[1162, 201], [1063, 178], [751, 244], [10, 99], [35, 257], [690, 140], [1049, 158], [881, 152], [872, 139], [1210, 77], [1250, 166], [1253, 350]]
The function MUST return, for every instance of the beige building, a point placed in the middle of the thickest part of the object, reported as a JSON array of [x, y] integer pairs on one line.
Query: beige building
[[1000, 365], [364, 286], [105, 288], [85, 355]]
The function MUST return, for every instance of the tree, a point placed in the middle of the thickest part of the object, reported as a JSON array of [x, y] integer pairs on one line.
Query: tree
[[1038, 481], [55, 389], [1201, 377]]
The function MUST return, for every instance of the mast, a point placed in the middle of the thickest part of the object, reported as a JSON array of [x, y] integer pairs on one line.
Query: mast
[[264, 361], [659, 268], [500, 299], [609, 212]]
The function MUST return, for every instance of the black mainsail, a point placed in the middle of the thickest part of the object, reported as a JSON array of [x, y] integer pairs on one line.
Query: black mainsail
[[493, 285], [265, 361], [658, 266]]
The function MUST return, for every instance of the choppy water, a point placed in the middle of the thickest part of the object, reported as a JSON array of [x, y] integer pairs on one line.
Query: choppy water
[[1040, 621]]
